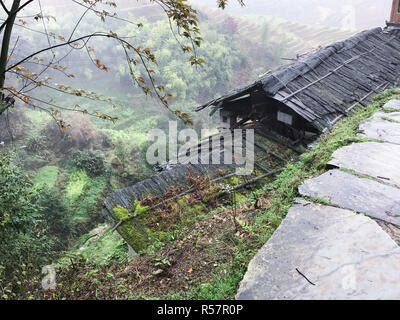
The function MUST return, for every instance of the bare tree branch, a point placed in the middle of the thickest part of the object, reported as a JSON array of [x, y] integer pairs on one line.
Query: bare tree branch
[[4, 7], [99, 34], [12, 13], [99, 13]]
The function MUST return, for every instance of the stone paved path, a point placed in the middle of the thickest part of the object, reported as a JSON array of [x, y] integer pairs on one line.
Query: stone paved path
[[344, 249]]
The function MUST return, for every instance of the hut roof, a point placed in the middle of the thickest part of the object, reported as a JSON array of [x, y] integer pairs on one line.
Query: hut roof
[[325, 85], [177, 175]]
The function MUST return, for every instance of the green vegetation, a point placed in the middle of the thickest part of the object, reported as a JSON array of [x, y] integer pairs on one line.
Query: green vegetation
[[134, 234], [390, 119], [109, 247], [24, 233], [78, 183], [201, 242], [89, 161], [99, 247], [34, 143], [46, 176], [87, 208]]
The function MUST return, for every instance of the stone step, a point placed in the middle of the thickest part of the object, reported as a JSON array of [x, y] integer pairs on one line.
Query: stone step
[[381, 129], [378, 160], [392, 104], [328, 251], [390, 115], [322, 252], [360, 194]]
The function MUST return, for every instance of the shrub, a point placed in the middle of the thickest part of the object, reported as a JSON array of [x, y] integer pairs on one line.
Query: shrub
[[55, 213], [35, 143], [89, 161], [23, 231]]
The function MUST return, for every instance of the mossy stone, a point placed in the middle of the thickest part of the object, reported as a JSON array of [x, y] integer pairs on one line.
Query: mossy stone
[[131, 230]]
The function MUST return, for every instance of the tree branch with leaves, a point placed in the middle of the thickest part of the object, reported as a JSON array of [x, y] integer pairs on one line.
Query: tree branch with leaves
[[140, 61]]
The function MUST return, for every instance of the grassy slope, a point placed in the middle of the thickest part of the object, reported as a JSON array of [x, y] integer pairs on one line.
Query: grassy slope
[[46, 176]]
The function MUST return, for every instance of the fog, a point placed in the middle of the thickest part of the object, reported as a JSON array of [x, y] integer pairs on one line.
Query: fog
[[346, 14], [354, 14]]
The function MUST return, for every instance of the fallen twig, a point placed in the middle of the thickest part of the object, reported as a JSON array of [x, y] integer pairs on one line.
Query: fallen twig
[[305, 277]]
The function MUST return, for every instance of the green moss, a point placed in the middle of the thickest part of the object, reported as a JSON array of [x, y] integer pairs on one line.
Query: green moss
[[139, 208], [99, 250], [122, 213], [46, 176], [131, 231], [110, 246], [240, 198]]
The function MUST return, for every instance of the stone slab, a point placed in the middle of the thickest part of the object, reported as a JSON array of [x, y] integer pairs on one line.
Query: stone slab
[[360, 194], [380, 129], [391, 115], [392, 104], [378, 160], [345, 255]]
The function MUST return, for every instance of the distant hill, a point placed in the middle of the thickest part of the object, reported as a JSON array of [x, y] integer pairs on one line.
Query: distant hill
[[268, 41], [362, 14], [347, 14]]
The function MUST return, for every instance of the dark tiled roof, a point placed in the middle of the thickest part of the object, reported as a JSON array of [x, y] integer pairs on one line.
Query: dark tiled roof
[[324, 85], [156, 185], [176, 175]]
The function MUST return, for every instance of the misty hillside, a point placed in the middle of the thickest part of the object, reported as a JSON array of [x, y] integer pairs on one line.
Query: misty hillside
[[362, 14]]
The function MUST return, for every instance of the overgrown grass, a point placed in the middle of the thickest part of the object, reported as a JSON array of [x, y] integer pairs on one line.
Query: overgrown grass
[[46, 176], [78, 183], [88, 206], [109, 246], [390, 119]]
